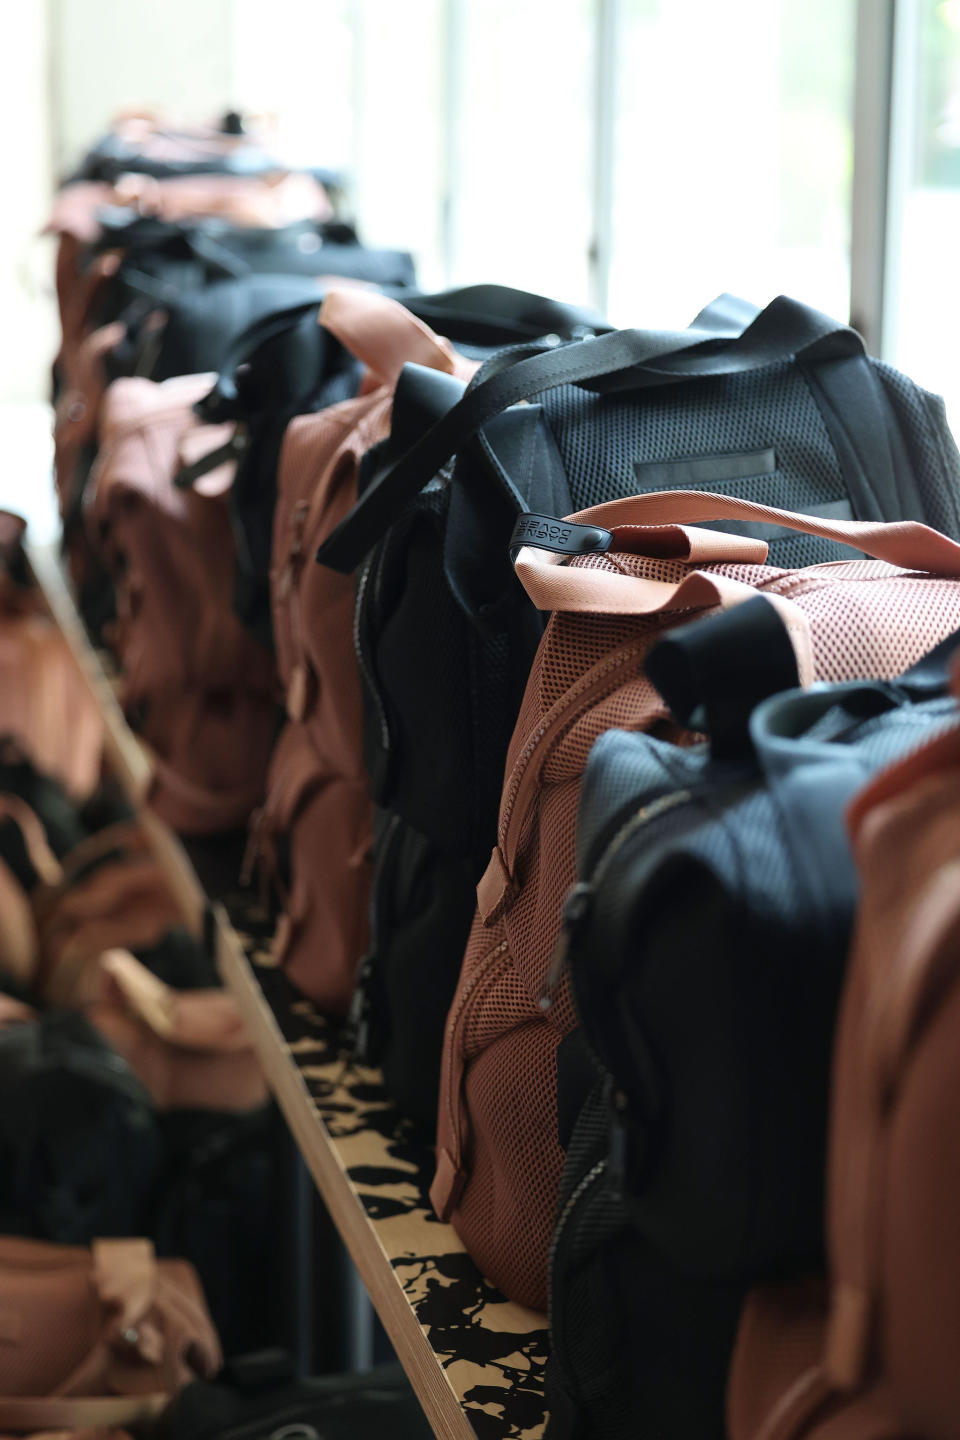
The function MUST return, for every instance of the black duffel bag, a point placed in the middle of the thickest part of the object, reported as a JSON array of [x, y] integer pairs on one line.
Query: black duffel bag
[[707, 941], [781, 407]]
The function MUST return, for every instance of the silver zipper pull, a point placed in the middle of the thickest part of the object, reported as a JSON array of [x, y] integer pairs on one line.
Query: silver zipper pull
[[577, 907]]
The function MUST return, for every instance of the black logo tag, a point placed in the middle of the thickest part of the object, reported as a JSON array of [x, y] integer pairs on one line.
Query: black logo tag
[[563, 537]]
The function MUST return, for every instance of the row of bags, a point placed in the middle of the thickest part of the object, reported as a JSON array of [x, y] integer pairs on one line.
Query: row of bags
[[133, 1103], [170, 242], [421, 821]]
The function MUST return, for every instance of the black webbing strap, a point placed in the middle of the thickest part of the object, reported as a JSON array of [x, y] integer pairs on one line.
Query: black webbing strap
[[623, 360], [714, 672]]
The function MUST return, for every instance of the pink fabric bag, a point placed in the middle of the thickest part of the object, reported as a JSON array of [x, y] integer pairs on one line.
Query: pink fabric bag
[[317, 793], [199, 687]]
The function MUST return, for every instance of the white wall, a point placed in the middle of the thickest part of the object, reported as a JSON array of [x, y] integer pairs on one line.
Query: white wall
[[65, 67], [110, 55], [28, 328]]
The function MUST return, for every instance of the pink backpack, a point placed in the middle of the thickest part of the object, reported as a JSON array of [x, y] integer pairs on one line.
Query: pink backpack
[[317, 792], [498, 1158], [200, 688]]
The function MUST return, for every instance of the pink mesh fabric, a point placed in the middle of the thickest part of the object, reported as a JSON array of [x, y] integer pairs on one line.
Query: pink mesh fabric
[[498, 1157]]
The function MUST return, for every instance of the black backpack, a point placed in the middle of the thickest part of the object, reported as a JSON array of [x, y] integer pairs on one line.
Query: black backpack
[[199, 325], [64, 826], [285, 364], [707, 940], [786, 409]]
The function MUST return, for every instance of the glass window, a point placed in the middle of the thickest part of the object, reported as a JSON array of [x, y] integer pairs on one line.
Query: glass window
[[298, 70], [522, 212], [733, 157], [923, 300], [398, 154]]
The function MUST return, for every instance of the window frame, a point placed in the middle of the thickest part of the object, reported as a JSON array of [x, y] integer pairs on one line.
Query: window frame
[[884, 80]]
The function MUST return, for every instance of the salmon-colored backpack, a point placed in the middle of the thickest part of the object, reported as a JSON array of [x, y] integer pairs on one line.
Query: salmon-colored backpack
[[46, 707], [644, 571], [199, 687], [84, 381], [97, 1337], [317, 793], [872, 1355]]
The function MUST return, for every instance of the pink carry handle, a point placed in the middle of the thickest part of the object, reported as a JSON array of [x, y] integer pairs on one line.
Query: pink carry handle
[[906, 543], [382, 334], [659, 519]]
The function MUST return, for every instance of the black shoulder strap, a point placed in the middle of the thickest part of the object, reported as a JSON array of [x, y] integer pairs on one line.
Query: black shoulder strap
[[625, 359]]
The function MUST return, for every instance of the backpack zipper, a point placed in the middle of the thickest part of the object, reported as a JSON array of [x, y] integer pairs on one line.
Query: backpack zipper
[[580, 899], [289, 594], [365, 662], [298, 520], [452, 1080], [613, 1164], [356, 1039], [584, 1185]]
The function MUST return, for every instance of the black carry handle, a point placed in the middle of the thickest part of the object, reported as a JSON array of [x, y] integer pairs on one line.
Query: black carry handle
[[714, 672], [499, 314], [222, 402], [727, 315], [623, 360]]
